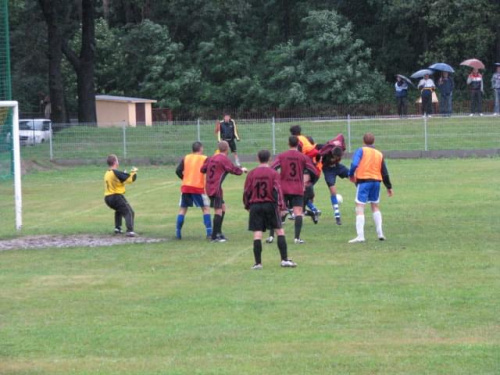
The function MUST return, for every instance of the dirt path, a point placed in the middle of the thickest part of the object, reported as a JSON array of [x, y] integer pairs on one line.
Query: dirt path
[[80, 240]]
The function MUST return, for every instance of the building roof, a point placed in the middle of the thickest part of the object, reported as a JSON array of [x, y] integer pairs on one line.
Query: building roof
[[125, 99]]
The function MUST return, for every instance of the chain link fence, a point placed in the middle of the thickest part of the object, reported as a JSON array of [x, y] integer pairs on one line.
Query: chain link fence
[[166, 142]]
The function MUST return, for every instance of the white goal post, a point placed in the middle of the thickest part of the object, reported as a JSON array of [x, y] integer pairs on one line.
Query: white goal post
[[16, 150]]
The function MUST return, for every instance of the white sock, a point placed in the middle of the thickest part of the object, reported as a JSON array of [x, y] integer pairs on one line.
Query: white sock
[[377, 218], [237, 160], [360, 226]]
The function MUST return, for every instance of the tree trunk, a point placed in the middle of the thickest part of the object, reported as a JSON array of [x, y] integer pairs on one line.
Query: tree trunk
[[55, 41], [84, 65], [105, 8], [86, 85]]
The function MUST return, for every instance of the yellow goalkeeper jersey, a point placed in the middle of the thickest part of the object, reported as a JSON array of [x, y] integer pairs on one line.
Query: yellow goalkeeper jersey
[[115, 181]]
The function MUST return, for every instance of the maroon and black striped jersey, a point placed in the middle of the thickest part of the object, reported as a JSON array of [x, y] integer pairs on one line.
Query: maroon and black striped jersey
[[263, 185], [292, 165], [216, 168]]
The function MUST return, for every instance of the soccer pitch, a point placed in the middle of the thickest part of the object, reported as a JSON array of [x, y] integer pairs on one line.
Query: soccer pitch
[[425, 301]]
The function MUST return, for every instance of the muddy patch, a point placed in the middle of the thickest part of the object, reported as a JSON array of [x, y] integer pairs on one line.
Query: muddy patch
[[47, 241]]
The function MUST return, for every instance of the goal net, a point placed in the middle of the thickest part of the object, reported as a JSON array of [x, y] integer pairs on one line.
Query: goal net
[[10, 160]]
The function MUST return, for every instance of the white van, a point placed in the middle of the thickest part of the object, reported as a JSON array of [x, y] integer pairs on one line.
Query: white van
[[34, 131]]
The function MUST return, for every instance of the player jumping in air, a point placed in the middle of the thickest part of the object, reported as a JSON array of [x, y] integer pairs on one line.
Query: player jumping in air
[[293, 164], [193, 188], [227, 130], [367, 171], [216, 169], [331, 155], [114, 190], [263, 198]]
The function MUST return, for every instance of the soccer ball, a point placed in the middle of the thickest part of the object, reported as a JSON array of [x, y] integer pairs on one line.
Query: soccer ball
[[340, 199]]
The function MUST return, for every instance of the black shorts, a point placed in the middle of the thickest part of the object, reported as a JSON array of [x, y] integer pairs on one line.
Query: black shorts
[[264, 216], [231, 143], [292, 200], [216, 202]]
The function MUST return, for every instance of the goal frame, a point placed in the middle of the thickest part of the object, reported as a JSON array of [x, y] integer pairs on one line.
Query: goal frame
[[16, 157]]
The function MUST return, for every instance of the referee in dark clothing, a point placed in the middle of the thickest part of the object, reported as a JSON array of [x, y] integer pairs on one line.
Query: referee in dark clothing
[[228, 131]]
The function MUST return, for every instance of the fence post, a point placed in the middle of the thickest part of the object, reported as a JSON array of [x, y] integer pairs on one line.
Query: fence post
[[198, 128], [273, 130], [426, 146], [348, 133], [51, 151], [124, 129]]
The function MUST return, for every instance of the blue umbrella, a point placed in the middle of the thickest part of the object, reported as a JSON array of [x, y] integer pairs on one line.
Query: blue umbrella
[[442, 67], [422, 73]]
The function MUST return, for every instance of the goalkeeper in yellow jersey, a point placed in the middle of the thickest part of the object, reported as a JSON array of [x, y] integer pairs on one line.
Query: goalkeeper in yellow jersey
[[114, 190]]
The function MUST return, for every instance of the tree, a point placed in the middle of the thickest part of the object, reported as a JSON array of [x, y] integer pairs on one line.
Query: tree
[[84, 64], [328, 66], [55, 13]]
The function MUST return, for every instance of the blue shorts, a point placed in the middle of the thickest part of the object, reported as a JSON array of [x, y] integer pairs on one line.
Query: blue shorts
[[188, 199], [368, 192], [332, 172]]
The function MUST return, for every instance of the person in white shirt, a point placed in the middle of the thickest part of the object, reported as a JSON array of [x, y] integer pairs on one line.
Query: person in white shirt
[[427, 87]]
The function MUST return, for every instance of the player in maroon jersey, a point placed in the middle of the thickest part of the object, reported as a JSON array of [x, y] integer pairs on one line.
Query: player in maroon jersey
[[292, 165], [263, 198], [216, 168]]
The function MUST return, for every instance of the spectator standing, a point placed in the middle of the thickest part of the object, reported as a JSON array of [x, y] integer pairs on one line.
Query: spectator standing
[[495, 85], [401, 87], [427, 87], [445, 86], [475, 82]]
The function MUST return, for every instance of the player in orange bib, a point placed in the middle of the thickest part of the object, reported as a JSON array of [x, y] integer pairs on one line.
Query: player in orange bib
[[367, 171]]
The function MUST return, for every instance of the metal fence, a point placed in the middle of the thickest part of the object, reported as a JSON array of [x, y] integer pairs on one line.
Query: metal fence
[[167, 142]]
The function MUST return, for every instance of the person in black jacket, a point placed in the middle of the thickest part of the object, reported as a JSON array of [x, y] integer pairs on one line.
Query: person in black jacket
[[227, 130], [445, 85]]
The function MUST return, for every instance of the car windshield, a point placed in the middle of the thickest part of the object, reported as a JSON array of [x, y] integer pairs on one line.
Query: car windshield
[[25, 125]]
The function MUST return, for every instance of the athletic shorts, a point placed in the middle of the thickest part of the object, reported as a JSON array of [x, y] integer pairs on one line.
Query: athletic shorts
[[292, 200], [188, 199], [264, 216], [331, 173], [368, 192], [231, 143], [216, 202]]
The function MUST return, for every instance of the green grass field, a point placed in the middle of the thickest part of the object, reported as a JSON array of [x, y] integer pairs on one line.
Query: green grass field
[[167, 142], [426, 301]]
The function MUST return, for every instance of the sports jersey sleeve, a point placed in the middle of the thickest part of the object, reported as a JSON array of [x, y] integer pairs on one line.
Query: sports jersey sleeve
[[276, 163], [203, 168], [385, 176], [278, 193], [231, 168], [247, 191], [125, 178], [179, 171], [356, 159]]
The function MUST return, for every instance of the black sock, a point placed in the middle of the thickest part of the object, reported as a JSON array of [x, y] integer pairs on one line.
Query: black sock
[[271, 232], [257, 251], [298, 226], [282, 247], [217, 226], [222, 218]]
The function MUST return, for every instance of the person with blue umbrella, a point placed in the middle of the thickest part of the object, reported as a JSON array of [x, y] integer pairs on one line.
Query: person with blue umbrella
[[445, 85]]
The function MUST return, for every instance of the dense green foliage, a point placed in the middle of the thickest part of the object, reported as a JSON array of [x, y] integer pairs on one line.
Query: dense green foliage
[[257, 53], [423, 302]]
